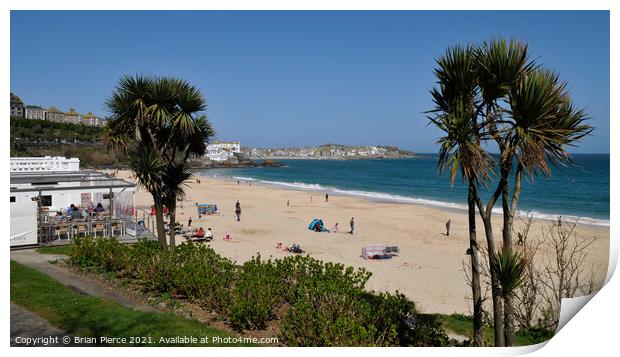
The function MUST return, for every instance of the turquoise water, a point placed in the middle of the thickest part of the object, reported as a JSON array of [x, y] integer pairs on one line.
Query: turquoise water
[[577, 191]]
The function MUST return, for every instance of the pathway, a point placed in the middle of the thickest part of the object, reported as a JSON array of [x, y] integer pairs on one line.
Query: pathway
[[41, 262]]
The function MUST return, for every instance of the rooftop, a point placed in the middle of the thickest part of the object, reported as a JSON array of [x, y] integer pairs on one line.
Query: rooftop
[[53, 110], [72, 112], [54, 181]]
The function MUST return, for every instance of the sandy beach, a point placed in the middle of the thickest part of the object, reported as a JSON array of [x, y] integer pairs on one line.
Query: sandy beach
[[428, 270]]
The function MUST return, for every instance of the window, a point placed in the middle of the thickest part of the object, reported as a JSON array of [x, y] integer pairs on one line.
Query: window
[[12, 198], [46, 201]]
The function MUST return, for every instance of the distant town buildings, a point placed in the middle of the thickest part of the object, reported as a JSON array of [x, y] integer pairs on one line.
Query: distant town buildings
[[72, 116], [222, 150], [17, 106], [34, 112], [44, 164], [19, 110], [91, 119], [55, 115], [329, 151]]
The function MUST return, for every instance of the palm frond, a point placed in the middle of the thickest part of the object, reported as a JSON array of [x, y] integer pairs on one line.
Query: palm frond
[[509, 267], [544, 121], [455, 114], [148, 168]]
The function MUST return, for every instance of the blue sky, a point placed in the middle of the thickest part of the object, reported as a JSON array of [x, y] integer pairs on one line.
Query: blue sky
[[286, 78]]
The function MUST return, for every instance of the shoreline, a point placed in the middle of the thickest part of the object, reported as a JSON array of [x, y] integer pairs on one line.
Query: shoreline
[[380, 197]]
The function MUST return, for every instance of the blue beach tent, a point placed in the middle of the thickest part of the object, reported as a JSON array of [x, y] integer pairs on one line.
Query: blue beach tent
[[315, 222]]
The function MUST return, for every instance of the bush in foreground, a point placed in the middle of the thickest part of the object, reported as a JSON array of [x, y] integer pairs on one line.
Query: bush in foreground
[[314, 303]]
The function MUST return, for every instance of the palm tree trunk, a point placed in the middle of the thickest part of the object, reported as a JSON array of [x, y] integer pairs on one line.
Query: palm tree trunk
[[159, 221], [510, 334], [475, 272], [172, 212], [509, 210], [498, 314], [507, 228]]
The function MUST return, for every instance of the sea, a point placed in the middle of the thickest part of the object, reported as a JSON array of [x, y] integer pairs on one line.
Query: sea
[[578, 191]]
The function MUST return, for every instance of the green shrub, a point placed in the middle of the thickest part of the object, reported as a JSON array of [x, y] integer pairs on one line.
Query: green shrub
[[140, 256], [189, 270], [328, 308], [203, 274], [83, 252], [296, 270], [258, 291], [328, 318], [323, 303], [111, 255], [107, 254]]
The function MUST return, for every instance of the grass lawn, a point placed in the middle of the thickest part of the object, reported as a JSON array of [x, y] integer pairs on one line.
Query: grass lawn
[[463, 325], [55, 249], [95, 317]]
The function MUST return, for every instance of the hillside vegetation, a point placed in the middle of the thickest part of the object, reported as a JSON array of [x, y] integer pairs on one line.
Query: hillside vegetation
[[31, 137], [33, 130]]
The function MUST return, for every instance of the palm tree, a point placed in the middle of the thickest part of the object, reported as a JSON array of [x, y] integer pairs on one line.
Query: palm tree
[[526, 112], [542, 121], [499, 64], [455, 114], [159, 117]]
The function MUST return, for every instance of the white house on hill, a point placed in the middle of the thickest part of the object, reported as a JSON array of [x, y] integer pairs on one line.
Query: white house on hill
[[222, 150]]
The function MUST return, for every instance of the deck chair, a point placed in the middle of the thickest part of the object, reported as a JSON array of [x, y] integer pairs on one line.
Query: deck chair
[[99, 227], [116, 227], [62, 230], [81, 229]]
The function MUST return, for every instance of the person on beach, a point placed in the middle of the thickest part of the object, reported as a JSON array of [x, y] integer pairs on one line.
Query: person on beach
[[189, 222], [335, 229], [448, 228], [310, 198], [326, 197], [238, 210], [288, 203], [352, 223], [237, 182]]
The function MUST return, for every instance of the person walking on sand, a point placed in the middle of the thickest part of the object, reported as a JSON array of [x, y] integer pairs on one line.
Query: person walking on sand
[[448, 228], [335, 229], [326, 197], [238, 210], [352, 224], [189, 222], [288, 203]]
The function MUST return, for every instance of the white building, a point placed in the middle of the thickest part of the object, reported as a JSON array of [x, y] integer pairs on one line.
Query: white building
[[44, 164], [222, 150], [38, 196], [34, 112]]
